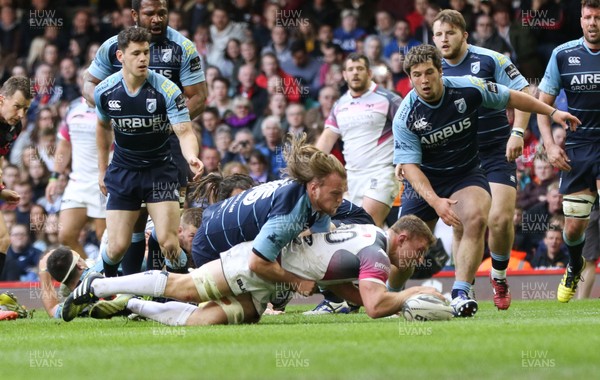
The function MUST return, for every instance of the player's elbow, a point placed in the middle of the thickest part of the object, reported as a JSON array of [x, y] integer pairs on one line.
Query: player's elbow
[[375, 311]]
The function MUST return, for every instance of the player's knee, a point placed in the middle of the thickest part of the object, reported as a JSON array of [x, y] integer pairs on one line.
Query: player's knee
[[578, 206], [500, 221], [205, 284], [475, 223], [233, 310]]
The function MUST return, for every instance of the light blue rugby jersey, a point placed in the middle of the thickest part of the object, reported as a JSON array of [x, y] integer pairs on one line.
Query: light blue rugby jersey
[[489, 66], [142, 121], [576, 69], [442, 138]]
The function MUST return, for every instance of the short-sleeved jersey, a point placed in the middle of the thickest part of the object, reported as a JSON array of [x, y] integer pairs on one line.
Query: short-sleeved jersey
[[175, 57], [489, 66], [442, 138], [352, 252], [576, 69], [271, 214], [8, 135], [142, 121], [365, 126], [79, 129]]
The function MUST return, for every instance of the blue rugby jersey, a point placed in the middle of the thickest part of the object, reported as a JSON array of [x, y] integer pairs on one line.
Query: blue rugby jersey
[[142, 121], [175, 57], [489, 66], [576, 69], [271, 214], [442, 138]]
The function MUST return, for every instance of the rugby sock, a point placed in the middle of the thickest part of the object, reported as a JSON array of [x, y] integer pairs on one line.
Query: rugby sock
[[170, 313], [132, 261], [156, 260], [331, 297], [110, 267], [499, 265], [575, 252], [2, 260], [150, 283], [460, 286]]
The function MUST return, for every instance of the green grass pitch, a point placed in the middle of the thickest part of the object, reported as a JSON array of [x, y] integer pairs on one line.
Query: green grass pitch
[[533, 340]]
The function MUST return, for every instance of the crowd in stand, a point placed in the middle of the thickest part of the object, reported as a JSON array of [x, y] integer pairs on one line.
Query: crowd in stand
[[272, 68]]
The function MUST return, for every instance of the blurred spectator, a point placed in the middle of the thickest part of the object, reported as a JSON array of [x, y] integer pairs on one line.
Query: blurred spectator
[[272, 148], [259, 167], [384, 27], [46, 93], [235, 167], [53, 207], [44, 121], [374, 50], [277, 107], [242, 11], [250, 90], [332, 55], [10, 218], [307, 32], [545, 19], [90, 54], [51, 231], [501, 17], [347, 34], [486, 36], [324, 38], [82, 29], [232, 59], [315, 117], [198, 15], [38, 175], [270, 68], [416, 18], [403, 40], [66, 82], [538, 218], [279, 44], [176, 21], [211, 73], [219, 96], [551, 252], [210, 122], [223, 139], [243, 116], [400, 80], [24, 189], [294, 115], [324, 12], [335, 78], [424, 32], [365, 12], [263, 24], [559, 134], [10, 36], [203, 43], [221, 31], [466, 10], [535, 191], [304, 68], [249, 53], [21, 258], [241, 147], [37, 223], [211, 159]]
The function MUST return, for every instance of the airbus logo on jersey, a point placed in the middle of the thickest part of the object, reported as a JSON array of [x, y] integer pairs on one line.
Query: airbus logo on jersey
[[114, 105], [574, 61], [141, 122], [586, 79], [446, 132], [475, 67]]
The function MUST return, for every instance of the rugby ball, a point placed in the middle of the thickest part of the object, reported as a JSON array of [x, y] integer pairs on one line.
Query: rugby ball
[[426, 307]]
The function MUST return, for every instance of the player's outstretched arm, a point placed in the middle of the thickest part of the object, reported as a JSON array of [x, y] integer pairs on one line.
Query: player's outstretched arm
[[89, 86], [189, 147], [556, 155], [421, 184], [528, 103], [378, 302]]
